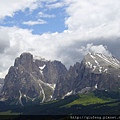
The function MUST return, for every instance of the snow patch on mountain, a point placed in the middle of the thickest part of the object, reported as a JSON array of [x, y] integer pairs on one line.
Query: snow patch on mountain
[[51, 85], [26, 97], [42, 67], [90, 65], [67, 94], [105, 70], [96, 86], [109, 60], [97, 63], [47, 84], [94, 67], [42, 93], [20, 98], [100, 69], [101, 63], [92, 56]]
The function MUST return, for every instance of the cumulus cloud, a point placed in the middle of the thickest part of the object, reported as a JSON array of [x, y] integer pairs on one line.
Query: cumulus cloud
[[86, 14], [4, 40], [9, 8], [55, 5], [100, 49], [92, 25], [94, 49]]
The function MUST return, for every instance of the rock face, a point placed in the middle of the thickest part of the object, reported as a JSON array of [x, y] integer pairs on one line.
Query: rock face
[[31, 79], [1, 83], [96, 71]]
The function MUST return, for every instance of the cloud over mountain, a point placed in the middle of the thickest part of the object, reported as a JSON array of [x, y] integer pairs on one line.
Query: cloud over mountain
[[90, 25]]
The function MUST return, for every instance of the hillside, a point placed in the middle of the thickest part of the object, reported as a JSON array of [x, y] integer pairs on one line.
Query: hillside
[[36, 86], [94, 103]]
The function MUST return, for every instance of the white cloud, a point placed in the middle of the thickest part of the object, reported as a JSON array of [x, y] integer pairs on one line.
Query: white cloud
[[31, 23], [9, 8], [21, 40], [100, 49], [12, 43], [41, 14], [94, 49], [55, 5], [91, 14], [50, 1], [88, 21]]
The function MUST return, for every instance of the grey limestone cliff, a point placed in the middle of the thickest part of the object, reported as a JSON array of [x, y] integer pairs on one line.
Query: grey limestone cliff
[[31, 79]]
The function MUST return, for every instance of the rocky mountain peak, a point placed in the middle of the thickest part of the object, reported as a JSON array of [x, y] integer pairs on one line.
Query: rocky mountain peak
[[38, 58], [100, 63], [31, 79], [34, 79], [25, 61], [96, 71]]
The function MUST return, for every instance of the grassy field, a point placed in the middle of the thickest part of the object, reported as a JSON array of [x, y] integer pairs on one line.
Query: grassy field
[[87, 99], [80, 104], [9, 112]]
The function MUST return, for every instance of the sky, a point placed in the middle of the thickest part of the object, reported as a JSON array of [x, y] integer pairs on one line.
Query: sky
[[63, 30]]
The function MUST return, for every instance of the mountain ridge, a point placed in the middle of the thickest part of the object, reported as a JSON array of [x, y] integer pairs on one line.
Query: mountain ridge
[[35, 80], [31, 79], [96, 71]]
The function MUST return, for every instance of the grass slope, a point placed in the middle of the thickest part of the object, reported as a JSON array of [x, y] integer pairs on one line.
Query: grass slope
[[96, 103], [87, 99]]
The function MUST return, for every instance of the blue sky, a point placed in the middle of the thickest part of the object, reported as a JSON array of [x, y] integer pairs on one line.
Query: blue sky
[[63, 30], [51, 20]]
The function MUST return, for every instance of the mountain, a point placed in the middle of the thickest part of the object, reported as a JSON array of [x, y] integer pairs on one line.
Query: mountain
[[34, 80], [100, 103], [96, 71], [1, 83], [31, 79]]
